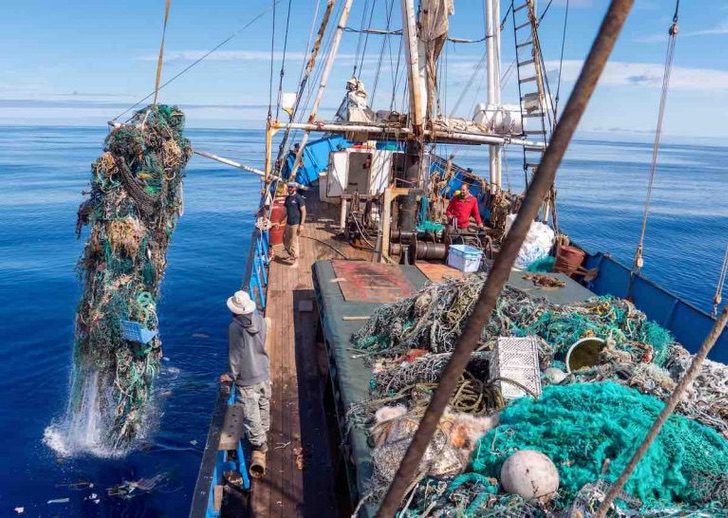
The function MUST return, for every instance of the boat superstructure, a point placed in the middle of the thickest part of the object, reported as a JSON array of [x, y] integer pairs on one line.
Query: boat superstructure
[[376, 190]]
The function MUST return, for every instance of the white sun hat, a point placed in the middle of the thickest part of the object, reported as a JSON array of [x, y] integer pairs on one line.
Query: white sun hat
[[240, 303]]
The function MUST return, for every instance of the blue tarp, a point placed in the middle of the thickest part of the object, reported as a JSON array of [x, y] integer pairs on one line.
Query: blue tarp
[[315, 158]]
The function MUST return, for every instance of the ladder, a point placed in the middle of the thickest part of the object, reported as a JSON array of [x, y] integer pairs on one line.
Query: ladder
[[535, 102]]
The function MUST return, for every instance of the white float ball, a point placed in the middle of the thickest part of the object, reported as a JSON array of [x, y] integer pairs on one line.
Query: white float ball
[[530, 474], [554, 375]]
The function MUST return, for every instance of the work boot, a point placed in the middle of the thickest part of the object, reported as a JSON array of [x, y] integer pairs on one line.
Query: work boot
[[257, 464]]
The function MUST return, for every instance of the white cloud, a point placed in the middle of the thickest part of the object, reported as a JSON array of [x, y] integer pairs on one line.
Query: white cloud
[[721, 28], [718, 29], [619, 73]]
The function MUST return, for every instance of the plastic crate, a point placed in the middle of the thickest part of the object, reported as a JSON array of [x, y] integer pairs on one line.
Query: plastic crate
[[465, 258], [135, 332], [516, 359]]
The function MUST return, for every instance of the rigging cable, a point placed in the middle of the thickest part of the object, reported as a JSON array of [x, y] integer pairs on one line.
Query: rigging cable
[[160, 60], [718, 297], [561, 60], [272, 60], [359, 39], [283, 61], [672, 32], [385, 40], [197, 61], [366, 40]]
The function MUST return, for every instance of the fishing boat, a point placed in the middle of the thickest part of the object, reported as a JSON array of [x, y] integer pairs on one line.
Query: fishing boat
[[386, 283]]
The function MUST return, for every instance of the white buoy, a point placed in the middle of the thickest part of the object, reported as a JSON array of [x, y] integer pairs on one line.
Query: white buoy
[[554, 375], [529, 474]]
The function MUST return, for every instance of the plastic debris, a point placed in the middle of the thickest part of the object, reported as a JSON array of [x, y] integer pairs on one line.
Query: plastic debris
[[59, 501], [19, 510], [131, 488]]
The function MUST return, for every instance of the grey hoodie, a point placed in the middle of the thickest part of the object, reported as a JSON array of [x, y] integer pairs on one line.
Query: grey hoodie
[[246, 349]]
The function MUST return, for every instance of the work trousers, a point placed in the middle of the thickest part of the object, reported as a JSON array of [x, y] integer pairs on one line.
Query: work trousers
[[256, 408], [290, 240]]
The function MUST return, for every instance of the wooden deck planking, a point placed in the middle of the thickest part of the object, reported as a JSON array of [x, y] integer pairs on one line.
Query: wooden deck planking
[[282, 491]]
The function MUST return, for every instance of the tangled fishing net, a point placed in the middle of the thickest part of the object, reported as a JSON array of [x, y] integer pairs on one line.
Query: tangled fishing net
[[135, 199], [433, 318], [589, 429]]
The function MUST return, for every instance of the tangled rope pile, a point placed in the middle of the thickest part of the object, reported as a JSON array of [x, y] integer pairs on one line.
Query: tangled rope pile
[[135, 199], [432, 319], [592, 427]]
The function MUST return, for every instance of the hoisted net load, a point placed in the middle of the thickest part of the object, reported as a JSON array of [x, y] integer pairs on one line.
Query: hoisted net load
[[132, 209]]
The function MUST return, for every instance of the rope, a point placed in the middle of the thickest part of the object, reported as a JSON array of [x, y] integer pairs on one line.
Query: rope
[[272, 56], [638, 259], [283, 61], [561, 59], [160, 59], [197, 61], [717, 298]]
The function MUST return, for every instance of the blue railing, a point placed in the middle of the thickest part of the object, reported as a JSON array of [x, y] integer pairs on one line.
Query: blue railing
[[689, 324], [224, 463], [258, 278], [216, 462]]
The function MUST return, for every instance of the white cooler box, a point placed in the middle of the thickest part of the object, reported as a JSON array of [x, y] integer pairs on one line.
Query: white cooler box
[[465, 258]]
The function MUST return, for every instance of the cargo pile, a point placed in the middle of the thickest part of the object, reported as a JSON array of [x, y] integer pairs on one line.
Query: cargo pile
[[584, 426]]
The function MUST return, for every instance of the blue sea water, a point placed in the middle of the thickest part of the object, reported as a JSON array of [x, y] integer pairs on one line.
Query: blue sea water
[[43, 171]]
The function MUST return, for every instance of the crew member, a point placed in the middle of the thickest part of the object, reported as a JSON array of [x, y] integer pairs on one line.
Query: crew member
[[249, 370], [462, 206], [294, 221]]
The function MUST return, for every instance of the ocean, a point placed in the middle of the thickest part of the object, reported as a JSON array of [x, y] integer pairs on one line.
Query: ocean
[[43, 171]]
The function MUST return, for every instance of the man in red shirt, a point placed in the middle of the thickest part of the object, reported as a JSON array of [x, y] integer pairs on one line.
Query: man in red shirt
[[462, 206]]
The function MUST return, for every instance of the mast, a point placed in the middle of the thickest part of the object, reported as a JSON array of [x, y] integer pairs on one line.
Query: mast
[[409, 27], [410, 175], [324, 81], [492, 20]]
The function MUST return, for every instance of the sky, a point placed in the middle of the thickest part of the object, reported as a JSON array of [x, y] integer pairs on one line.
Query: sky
[[82, 62]]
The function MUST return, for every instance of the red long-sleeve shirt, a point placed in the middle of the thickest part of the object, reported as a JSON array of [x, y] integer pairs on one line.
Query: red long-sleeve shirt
[[462, 209]]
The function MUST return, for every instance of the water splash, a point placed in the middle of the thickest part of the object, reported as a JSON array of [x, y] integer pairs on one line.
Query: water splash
[[84, 429]]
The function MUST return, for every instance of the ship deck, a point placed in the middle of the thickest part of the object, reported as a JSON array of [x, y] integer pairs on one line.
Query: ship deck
[[299, 480], [316, 468]]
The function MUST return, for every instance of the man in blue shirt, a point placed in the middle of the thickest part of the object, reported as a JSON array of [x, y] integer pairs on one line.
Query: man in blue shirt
[[295, 218]]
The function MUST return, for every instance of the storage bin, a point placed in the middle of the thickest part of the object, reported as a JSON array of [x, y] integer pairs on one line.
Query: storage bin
[[465, 258]]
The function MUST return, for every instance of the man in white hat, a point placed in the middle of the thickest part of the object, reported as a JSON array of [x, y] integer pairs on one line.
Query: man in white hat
[[249, 370]]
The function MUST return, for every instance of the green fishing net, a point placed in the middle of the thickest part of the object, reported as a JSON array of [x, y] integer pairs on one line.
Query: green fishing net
[[132, 208], [433, 318], [591, 430]]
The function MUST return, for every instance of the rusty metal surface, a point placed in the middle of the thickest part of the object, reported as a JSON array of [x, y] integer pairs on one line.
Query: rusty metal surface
[[371, 282]]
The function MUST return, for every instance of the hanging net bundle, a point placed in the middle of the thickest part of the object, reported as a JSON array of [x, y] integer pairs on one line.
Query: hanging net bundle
[[132, 209]]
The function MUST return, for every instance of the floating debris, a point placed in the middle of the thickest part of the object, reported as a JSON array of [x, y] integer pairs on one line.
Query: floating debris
[[59, 501], [131, 488], [19, 510]]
